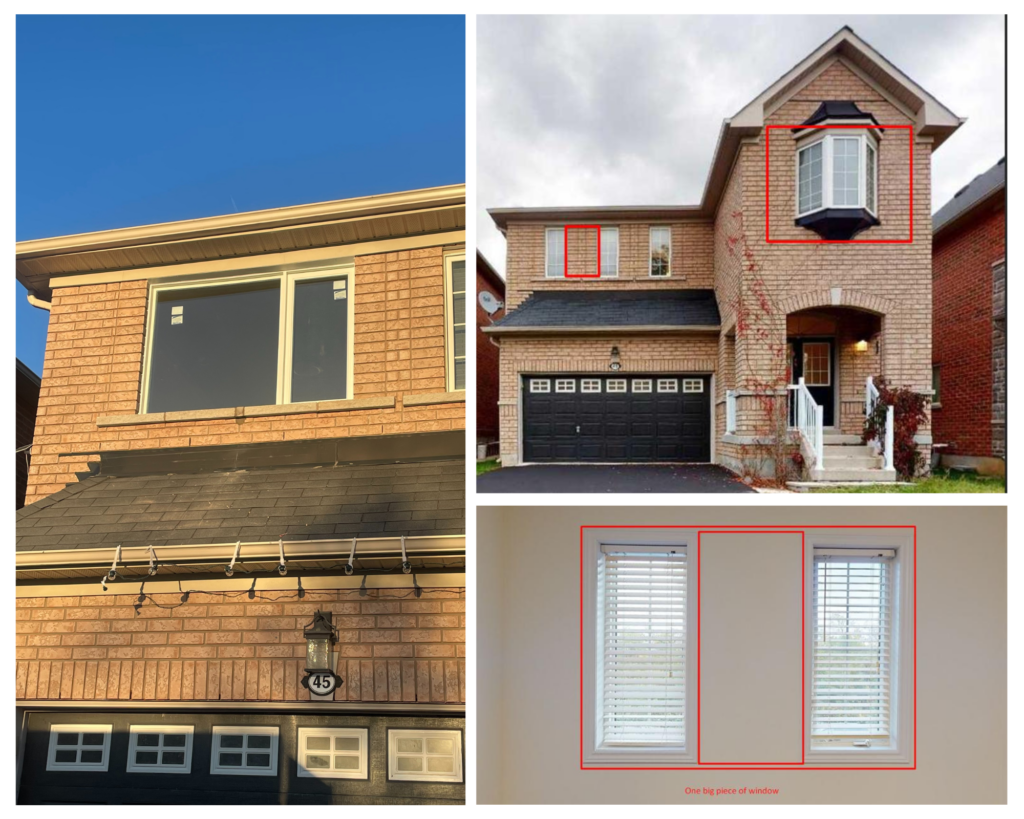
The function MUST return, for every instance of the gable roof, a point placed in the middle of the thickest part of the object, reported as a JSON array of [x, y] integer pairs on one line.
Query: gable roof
[[978, 190], [486, 269], [932, 119], [578, 310]]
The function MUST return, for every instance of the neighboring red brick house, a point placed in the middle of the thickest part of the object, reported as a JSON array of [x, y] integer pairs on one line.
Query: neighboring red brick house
[[684, 341], [487, 281], [969, 330], [246, 420]]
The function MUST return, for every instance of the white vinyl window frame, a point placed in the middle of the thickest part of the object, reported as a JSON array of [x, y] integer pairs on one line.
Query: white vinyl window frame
[[642, 385], [336, 271], [554, 268], [616, 385], [659, 229], [395, 752], [833, 749], [362, 735], [162, 731], [81, 729], [540, 385], [608, 230], [693, 385], [668, 385], [451, 321], [220, 731], [827, 140], [590, 385], [596, 752], [565, 385]]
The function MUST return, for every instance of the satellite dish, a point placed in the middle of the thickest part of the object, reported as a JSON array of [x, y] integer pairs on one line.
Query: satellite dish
[[490, 304]]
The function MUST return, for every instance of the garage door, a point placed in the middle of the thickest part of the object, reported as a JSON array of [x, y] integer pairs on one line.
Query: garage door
[[638, 418]]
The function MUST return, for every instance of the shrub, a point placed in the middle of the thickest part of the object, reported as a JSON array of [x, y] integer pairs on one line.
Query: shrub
[[909, 411]]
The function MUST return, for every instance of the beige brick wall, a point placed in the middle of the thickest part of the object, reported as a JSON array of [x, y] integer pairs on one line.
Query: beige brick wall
[[638, 354], [394, 647], [94, 354], [692, 255]]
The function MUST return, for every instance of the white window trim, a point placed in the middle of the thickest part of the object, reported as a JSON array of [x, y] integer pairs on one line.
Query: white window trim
[[536, 382], [826, 171], [423, 776], [560, 381], [362, 734], [650, 251], [674, 382], [687, 382], [585, 381], [53, 765], [548, 273], [449, 319], [618, 252], [623, 381], [263, 730], [159, 768], [902, 691], [287, 280], [634, 390], [594, 755]]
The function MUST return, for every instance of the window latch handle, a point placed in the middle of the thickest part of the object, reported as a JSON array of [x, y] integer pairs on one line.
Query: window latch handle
[[862, 743]]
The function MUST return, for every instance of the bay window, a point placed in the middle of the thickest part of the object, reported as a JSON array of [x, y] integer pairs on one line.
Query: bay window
[[837, 181]]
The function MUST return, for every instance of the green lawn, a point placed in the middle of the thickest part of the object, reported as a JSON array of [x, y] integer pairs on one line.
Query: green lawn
[[939, 481], [487, 466]]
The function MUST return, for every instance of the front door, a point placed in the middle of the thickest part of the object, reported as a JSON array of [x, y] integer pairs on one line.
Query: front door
[[814, 359]]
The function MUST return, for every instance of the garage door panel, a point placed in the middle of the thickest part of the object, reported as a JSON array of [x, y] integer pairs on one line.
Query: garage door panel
[[602, 426]]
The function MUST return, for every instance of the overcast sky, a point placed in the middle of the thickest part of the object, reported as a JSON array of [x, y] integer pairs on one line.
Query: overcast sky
[[626, 110]]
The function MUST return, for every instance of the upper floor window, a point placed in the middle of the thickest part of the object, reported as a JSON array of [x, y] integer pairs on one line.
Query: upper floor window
[[837, 171], [554, 266], [277, 338], [661, 252], [455, 276]]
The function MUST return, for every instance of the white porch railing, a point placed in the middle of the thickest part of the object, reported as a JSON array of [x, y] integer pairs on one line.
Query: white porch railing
[[810, 421], [730, 411], [885, 440]]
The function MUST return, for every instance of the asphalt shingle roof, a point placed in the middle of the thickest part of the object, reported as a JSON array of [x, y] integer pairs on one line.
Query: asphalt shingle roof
[[616, 308], [970, 194], [252, 505]]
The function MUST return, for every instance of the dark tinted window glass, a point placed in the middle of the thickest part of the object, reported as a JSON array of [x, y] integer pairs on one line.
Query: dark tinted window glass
[[145, 758], [92, 756], [320, 340], [231, 760], [215, 347], [257, 741], [148, 740], [92, 739], [67, 739], [66, 756], [174, 758], [231, 741], [258, 760], [174, 740]]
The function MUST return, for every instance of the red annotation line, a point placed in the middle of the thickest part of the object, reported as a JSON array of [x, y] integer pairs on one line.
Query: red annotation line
[[748, 528], [565, 252], [767, 196]]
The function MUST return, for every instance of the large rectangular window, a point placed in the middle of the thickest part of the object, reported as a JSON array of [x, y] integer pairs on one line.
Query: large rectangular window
[[273, 339], [609, 252], [854, 646], [554, 266], [455, 274], [810, 175]]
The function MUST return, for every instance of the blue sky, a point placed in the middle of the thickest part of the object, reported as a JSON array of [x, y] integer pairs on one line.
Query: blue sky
[[125, 120]]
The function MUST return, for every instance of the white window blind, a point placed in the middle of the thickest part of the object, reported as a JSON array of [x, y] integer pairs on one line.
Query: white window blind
[[853, 644], [642, 646]]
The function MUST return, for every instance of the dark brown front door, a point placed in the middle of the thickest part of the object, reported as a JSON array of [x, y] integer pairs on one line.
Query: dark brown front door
[[814, 360]]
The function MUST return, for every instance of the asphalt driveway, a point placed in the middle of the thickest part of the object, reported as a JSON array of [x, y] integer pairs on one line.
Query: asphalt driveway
[[607, 479]]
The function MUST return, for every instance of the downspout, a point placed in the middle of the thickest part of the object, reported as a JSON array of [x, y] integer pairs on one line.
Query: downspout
[[35, 301]]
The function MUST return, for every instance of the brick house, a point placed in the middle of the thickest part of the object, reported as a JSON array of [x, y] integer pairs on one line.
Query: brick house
[[487, 381], [26, 402], [250, 431], [969, 332], [746, 326]]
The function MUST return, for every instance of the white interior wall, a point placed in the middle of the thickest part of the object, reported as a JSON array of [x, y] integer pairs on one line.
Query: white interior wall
[[528, 663]]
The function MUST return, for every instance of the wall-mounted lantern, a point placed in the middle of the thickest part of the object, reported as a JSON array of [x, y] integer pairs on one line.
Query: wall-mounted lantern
[[320, 635], [616, 365], [861, 346]]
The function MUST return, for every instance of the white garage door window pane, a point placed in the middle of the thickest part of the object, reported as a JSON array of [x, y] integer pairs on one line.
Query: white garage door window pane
[[244, 750], [160, 749], [79, 748], [333, 753], [426, 756], [642, 644], [854, 648]]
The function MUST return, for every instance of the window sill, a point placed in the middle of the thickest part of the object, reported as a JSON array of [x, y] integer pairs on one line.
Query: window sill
[[426, 398], [245, 412]]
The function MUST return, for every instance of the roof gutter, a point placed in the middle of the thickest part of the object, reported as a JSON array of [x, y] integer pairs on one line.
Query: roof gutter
[[604, 329], [35, 301]]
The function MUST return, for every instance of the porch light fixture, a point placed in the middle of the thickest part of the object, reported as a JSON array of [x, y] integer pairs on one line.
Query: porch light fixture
[[861, 346], [616, 365], [320, 636]]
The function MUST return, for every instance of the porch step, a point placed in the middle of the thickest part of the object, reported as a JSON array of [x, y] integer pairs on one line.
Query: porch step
[[852, 473], [848, 450], [852, 462], [842, 439]]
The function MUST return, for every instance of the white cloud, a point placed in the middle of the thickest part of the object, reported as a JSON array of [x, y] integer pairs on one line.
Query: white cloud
[[626, 110]]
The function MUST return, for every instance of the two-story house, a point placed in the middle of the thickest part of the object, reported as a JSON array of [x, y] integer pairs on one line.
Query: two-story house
[[242, 558], [750, 329]]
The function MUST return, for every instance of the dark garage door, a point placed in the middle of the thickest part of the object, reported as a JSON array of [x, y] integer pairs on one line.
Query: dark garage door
[[604, 418]]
